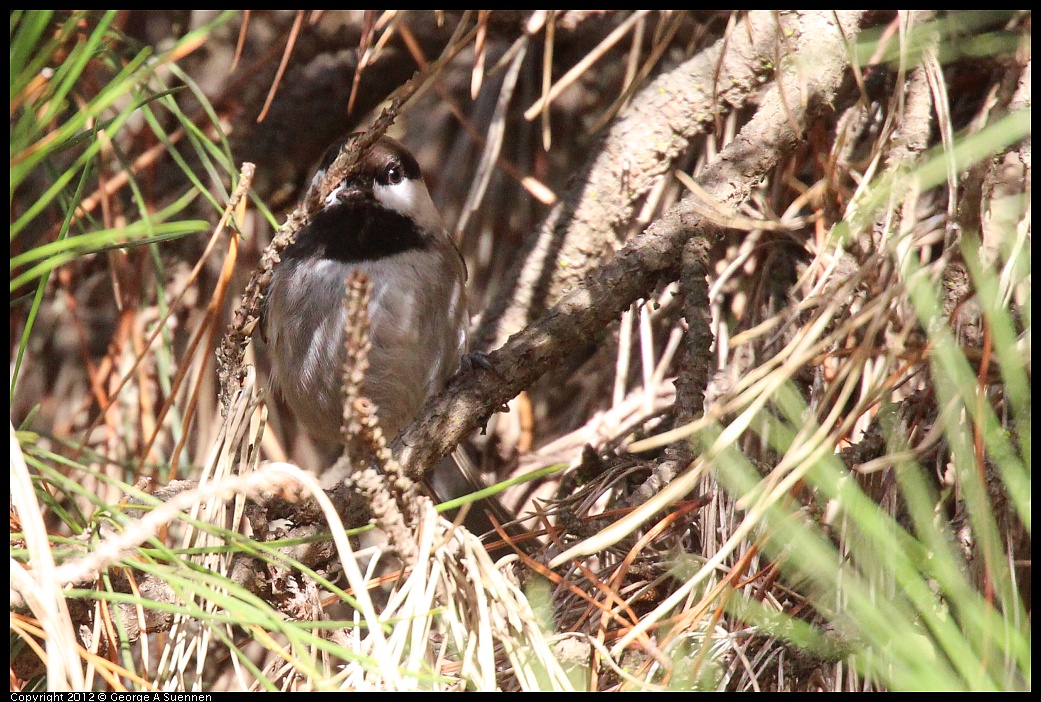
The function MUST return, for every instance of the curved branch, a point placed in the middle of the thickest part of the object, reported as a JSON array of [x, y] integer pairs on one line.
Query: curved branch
[[640, 148], [796, 99]]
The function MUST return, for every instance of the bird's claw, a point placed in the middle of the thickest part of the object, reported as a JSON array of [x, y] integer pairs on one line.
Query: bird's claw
[[479, 359]]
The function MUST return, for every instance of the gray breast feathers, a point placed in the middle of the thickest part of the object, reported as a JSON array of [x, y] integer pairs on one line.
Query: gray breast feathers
[[418, 316]]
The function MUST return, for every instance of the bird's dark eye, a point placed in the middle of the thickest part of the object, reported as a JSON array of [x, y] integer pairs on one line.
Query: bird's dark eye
[[394, 175]]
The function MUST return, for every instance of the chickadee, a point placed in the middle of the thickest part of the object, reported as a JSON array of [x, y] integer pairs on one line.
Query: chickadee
[[379, 220]]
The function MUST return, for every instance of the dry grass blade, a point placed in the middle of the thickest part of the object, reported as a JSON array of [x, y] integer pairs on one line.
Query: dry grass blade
[[493, 141], [541, 106], [39, 587], [294, 32]]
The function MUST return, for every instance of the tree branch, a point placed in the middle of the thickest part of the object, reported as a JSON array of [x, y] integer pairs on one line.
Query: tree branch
[[634, 271], [640, 148]]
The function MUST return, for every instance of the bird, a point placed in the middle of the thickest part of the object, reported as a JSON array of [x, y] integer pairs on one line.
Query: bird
[[381, 221]]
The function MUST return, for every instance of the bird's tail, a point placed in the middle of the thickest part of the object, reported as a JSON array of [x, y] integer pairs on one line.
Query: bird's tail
[[457, 476]]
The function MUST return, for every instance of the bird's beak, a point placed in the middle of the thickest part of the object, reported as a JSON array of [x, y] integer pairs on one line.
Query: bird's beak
[[346, 192]]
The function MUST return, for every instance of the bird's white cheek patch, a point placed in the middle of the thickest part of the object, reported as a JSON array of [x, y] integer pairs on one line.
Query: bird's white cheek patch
[[401, 197], [411, 199]]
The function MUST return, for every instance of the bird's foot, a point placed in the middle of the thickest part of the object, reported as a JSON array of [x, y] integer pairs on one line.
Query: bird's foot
[[480, 360]]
